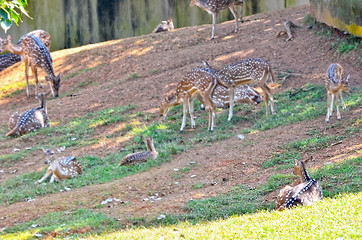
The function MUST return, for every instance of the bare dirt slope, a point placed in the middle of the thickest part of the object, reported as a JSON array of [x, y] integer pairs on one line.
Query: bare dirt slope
[[158, 61]]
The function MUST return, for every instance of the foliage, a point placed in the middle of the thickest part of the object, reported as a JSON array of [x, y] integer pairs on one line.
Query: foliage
[[11, 11]]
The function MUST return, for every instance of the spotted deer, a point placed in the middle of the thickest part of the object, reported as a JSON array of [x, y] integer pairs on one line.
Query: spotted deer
[[243, 94], [252, 70], [304, 194], [164, 26], [199, 81], [60, 168], [30, 120], [139, 157], [35, 55], [7, 60], [213, 7], [335, 83]]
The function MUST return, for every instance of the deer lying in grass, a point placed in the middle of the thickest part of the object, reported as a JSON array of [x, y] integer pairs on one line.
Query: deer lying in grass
[[60, 168], [139, 157], [164, 26], [251, 70], [35, 55], [30, 120], [213, 7], [9, 59], [199, 81], [243, 94], [304, 194], [335, 84]]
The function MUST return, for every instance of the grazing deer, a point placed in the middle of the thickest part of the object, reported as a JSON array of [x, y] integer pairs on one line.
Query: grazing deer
[[164, 26], [213, 7], [35, 55], [335, 84], [139, 157], [306, 193], [244, 72], [199, 81], [243, 94], [30, 120], [9, 59], [60, 168]]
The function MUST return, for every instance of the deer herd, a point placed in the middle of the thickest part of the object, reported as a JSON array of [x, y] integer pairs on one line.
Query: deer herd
[[214, 88]]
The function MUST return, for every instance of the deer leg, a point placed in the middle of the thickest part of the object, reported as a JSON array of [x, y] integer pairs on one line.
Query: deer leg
[[191, 111], [211, 106], [231, 102], [337, 107], [214, 15], [184, 114], [235, 13], [328, 107], [27, 78], [266, 95], [343, 104], [331, 105], [35, 72], [46, 175]]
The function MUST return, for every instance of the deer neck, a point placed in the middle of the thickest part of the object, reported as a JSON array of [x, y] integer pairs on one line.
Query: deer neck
[[150, 147], [14, 48], [304, 177]]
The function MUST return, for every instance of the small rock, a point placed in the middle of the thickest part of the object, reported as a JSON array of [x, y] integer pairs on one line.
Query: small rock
[[119, 219], [3, 229], [16, 150], [158, 199], [161, 217], [243, 163], [108, 200], [67, 189], [1, 170], [175, 169], [38, 235], [191, 163], [192, 176], [177, 183], [29, 199], [73, 139], [34, 225], [241, 137], [145, 199], [28, 148], [13, 171]]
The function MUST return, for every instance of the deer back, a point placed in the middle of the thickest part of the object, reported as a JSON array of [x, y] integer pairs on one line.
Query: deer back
[[336, 80], [42, 35], [66, 167], [215, 6], [29, 121], [243, 94]]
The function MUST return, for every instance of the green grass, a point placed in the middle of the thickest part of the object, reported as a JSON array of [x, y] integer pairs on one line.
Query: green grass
[[336, 180]]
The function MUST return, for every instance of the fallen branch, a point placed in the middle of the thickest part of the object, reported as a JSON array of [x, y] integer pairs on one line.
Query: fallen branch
[[336, 143]]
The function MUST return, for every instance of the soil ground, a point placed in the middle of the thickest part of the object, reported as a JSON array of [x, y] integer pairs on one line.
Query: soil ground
[[159, 60]]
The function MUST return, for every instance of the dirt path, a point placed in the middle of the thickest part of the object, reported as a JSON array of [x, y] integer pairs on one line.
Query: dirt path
[[158, 61]]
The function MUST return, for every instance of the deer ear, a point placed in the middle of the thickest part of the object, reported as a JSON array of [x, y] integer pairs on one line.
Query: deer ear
[[347, 78], [296, 161]]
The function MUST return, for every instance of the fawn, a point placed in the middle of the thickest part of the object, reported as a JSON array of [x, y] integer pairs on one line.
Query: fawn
[[213, 7], [7, 60], [30, 120], [335, 84], [306, 193], [164, 26], [60, 168], [244, 72], [35, 55], [139, 157], [199, 81]]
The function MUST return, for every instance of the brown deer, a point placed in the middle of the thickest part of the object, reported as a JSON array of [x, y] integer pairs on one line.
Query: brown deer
[[243, 94], [139, 157], [213, 7], [199, 81], [30, 120], [7, 60], [35, 55], [60, 168], [335, 84], [252, 70], [164, 26], [304, 194]]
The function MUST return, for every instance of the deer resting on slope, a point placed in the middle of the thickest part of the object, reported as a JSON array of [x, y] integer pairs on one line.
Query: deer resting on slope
[[164, 26], [335, 84], [213, 7], [139, 157], [30, 120], [60, 168], [304, 194]]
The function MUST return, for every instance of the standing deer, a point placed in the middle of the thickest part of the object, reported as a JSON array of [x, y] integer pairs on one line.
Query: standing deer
[[199, 81], [60, 168], [213, 7], [9, 59], [139, 157], [35, 55], [335, 84], [30, 120], [244, 72], [306, 193], [164, 26]]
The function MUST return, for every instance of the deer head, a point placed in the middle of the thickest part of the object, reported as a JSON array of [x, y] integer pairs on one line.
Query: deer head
[[55, 82], [164, 108]]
